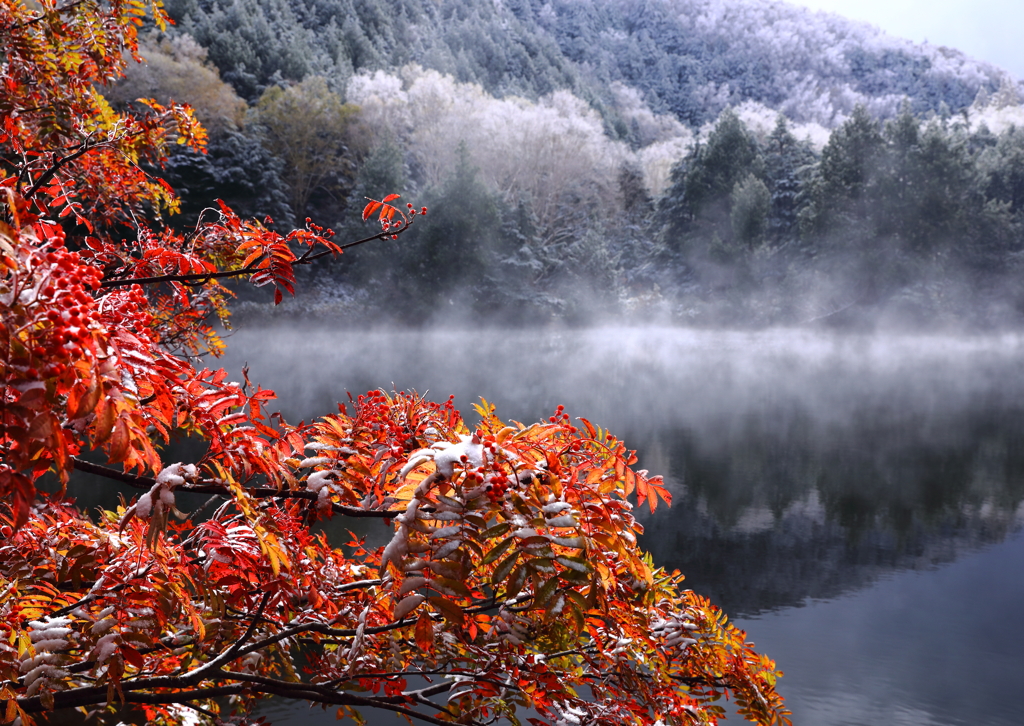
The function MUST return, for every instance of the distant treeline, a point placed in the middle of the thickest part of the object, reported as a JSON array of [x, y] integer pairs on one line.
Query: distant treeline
[[688, 58], [563, 184]]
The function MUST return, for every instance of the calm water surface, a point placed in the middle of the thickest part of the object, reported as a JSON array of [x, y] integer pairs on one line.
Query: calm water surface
[[854, 501]]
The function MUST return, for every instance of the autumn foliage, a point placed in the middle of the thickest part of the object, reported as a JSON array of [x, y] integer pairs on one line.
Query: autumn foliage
[[512, 586]]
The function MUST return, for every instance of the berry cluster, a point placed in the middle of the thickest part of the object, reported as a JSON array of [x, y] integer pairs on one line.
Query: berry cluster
[[316, 228], [562, 417], [499, 484], [63, 310]]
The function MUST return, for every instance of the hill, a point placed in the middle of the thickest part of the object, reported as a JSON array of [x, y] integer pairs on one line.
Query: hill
[[744, 161], [690, 58]]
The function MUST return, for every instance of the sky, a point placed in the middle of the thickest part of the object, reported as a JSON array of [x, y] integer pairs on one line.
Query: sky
[[990, 30]]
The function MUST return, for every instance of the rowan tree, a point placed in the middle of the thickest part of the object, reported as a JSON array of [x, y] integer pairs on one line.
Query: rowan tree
[[512, 586]]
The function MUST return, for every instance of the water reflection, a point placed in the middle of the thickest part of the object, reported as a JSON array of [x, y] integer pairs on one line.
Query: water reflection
[[804, 464], [852, 496], [928, 648]]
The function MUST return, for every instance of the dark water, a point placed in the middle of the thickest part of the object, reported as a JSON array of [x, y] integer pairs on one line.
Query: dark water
[[854, 501]]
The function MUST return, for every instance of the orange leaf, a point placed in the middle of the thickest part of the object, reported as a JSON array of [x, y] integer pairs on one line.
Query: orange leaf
[[425, 633], [80, 406], [106, 414], [120, 441]]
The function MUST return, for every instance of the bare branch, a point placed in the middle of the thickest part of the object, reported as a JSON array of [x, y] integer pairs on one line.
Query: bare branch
[[228, 655], [146, 483], [83, 149]]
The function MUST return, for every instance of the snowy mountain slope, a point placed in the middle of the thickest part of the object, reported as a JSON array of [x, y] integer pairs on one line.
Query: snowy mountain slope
[[689, 58], [697, 56]]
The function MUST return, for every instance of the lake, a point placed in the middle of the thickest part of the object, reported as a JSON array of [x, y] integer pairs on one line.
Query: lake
[[854, 501]]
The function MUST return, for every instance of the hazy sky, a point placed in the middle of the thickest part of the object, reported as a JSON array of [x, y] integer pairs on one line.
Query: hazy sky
[[991, 30]]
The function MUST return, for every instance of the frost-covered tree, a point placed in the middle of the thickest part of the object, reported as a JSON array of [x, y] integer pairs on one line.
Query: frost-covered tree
[[750, 203], [848, 165], [551, 155], [788, 164], [697, 206]]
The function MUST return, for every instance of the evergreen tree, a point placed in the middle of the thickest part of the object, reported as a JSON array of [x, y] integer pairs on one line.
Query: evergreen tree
[[698, 203], [848, 164], [750, 205], [788, 163], [444, 257]]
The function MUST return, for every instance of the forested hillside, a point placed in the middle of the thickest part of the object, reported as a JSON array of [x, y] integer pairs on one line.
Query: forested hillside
[[709, 161]]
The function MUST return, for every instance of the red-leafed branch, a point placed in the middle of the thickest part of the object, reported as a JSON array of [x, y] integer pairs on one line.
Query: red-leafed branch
[[202, 277]]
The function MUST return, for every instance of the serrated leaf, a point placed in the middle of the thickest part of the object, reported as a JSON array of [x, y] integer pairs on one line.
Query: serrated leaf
[[515, 582], [546, 592], [424, 633], [449, 610], [503, 568]]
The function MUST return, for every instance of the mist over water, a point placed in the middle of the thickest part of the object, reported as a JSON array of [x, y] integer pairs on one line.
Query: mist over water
[[803, 463], [853, 499], [633, 377]]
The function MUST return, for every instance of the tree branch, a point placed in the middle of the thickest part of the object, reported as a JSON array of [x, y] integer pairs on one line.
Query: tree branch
[[40, 18], [146, 483], [95, 695], [202, 277], [228, 655], [85, 148]]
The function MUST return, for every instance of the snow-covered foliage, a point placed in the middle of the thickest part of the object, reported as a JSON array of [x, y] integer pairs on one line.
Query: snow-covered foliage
[[812, 66], [535, 152], [527, 151], [685, 58], [761, 120], [998, 111], [569, 155]]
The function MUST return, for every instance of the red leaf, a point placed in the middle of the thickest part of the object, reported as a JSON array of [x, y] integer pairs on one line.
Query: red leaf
[[120, 441], [133, 656], [391, 197], [370, 208]]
